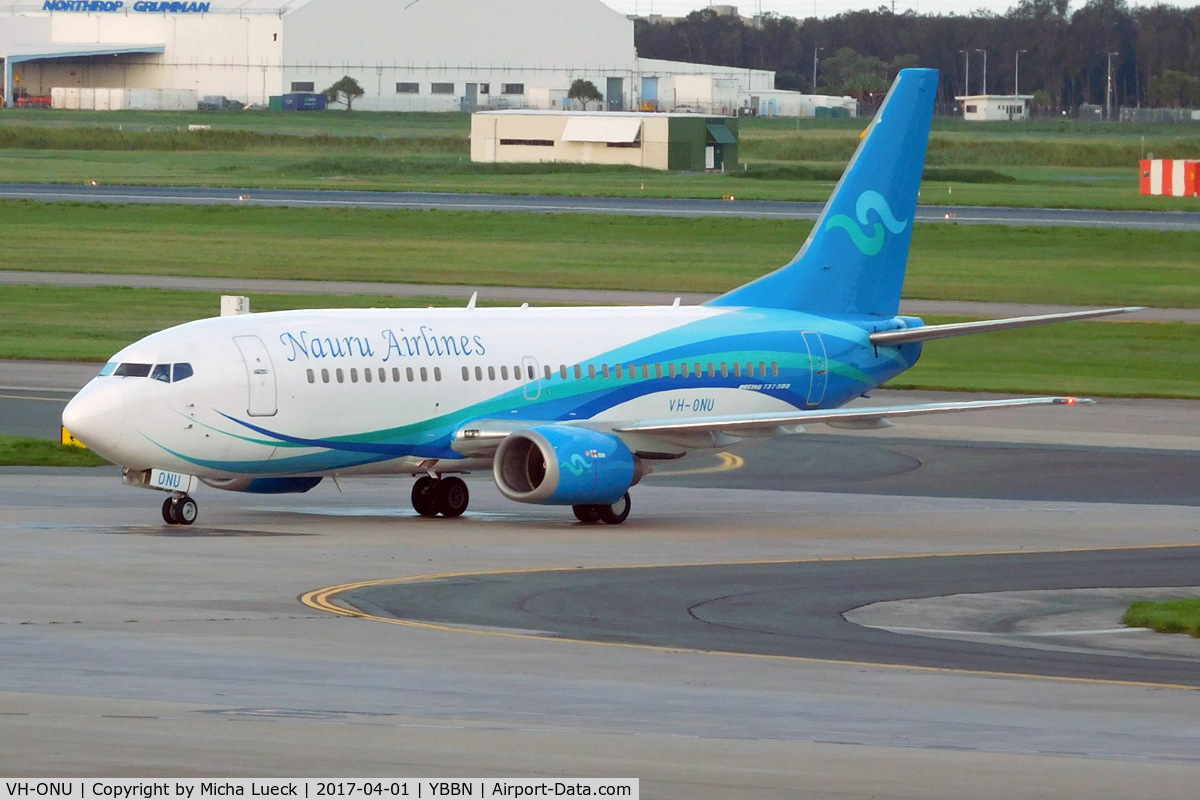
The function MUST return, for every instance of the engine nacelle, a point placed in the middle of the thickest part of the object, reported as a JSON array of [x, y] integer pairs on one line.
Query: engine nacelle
[[564, 465]]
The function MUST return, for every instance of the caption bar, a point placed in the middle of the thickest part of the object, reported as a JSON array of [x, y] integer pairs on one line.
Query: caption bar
[[194, 789]]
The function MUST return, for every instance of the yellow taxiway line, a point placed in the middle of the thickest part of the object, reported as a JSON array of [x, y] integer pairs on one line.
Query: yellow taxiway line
[[323, 600]]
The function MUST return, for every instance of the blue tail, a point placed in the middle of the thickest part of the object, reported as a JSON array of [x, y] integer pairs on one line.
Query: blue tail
[[854, 259]]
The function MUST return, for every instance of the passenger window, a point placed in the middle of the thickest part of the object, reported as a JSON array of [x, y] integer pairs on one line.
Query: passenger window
[[132, 371], [712, 373], [749, 369], [620, 372], [645, 370], [724, 370], [774, 368], [395, 374], [578, 372], [671, 370], [424, 375], [437, 373], [382, 375], [312, 376], [108, 369], [340, 376], [633, 371], [367, 375], [324, 376], [354, 374], [517, 373], [699, 371], [683, 369], [529, 370], [408, 373], [491, 373], [479, 373], [592, 371], [161, 372], [762, 368], [503, 373], [604, 371], [737, 369], [466, 373], [562, 371], [658, 370]]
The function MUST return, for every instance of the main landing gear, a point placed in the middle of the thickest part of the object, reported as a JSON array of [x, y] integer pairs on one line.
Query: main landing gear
[[613, 515], [446, 496], [180, 510]]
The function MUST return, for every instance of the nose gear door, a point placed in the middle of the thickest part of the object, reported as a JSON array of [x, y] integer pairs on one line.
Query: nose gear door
[[260, 373]]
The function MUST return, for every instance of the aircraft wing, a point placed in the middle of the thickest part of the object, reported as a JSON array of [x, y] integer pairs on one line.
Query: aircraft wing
[[847, 416]]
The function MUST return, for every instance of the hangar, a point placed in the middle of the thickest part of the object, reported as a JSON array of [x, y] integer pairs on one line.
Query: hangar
[[425, 55]]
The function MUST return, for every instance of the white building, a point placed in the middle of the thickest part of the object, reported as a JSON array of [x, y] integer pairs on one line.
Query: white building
[[434, 55], [992, 107]]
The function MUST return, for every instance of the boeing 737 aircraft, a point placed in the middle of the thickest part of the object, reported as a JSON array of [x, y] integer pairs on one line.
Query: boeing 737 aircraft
[[565, 406]]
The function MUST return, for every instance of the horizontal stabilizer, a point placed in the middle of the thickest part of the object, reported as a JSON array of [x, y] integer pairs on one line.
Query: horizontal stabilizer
[[927, 333], [733, 424]]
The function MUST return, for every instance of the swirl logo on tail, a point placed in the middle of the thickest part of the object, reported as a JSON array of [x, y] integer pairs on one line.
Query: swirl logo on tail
[[868, 201]]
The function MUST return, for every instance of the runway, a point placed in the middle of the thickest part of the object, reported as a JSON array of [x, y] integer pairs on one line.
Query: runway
[[797, 609], [131, 648], [554, 204]]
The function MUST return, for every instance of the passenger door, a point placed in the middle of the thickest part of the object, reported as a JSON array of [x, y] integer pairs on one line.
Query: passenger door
[[260, 373]]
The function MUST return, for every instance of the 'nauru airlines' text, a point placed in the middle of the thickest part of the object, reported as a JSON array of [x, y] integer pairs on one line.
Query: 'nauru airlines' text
[[395, 343]]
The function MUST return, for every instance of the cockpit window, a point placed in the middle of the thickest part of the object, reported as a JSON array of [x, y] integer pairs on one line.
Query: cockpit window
[[128, 370], [108, 369], [183, 371], [161, 372]]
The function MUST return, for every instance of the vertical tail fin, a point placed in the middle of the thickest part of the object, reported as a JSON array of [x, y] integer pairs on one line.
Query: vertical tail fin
[[853, 261]]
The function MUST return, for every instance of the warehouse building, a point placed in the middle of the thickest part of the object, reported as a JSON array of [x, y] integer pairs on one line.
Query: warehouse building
[[429, 55], [650, 140]]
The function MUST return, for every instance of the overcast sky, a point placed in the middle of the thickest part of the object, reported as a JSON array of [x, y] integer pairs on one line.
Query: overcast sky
[[825, 8]]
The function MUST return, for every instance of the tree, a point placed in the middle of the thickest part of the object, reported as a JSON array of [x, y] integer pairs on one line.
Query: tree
[[347, 88], [584, 92]]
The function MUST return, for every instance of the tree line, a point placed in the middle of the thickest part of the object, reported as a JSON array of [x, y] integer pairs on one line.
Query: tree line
[[1063, 60]]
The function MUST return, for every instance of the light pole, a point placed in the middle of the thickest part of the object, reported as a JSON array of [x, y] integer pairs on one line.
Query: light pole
[[967, 71], [815, 51], [1017, 73], [977, 50], [1108, 89]]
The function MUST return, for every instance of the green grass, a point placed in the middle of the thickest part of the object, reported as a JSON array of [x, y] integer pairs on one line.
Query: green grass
[[949, 262], [1100, 358], [1169, 616], [1037, 164], [22, 451], [1130, 359]]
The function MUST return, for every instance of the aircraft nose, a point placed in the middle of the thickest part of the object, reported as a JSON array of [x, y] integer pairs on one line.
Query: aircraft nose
[[96, 417]]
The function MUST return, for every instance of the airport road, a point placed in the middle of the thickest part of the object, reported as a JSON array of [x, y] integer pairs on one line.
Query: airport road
[[543, 204], [518, 294]]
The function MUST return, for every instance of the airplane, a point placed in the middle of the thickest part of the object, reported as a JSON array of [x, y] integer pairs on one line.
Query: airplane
[[564, 406]]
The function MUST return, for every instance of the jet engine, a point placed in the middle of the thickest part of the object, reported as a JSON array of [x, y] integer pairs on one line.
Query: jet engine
[[564, 465]]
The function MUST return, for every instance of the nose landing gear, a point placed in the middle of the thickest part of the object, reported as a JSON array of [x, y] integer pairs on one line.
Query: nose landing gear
[[180, 510], [447, 496]]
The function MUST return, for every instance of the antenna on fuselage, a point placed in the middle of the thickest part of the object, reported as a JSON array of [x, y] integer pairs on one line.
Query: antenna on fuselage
[[474, 297]]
